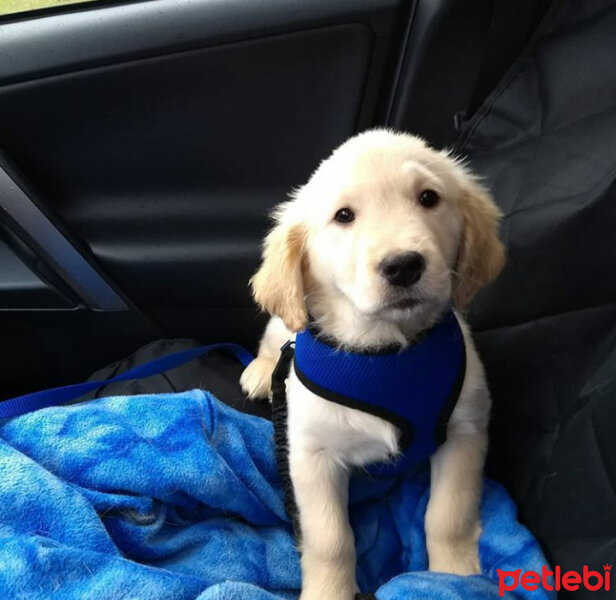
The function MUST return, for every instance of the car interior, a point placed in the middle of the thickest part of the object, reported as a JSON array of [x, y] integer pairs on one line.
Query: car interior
[[143, 144]]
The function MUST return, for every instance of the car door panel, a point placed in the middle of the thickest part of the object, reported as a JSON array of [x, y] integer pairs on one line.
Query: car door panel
[[157, 136], [171, 181]]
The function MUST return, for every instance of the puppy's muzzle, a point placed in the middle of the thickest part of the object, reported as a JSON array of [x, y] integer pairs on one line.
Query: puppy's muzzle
[[403, 270]]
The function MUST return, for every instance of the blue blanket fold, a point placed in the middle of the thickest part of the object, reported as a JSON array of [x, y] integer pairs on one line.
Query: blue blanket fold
[[177, 496]]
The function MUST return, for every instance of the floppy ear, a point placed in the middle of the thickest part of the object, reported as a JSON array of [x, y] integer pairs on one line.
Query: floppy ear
[[481, 255], [278, 285]]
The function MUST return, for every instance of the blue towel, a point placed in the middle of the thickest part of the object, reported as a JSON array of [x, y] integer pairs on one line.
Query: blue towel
[[177, 496]]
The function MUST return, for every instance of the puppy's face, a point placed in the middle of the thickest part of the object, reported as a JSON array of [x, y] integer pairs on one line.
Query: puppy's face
[[385, 226]]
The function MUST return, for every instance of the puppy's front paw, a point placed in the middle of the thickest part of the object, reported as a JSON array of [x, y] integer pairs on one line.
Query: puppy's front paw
[[460, 557], [256, 380]]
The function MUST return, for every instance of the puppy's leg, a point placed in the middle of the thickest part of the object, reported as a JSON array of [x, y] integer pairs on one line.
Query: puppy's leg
[[452, 517], [256, 380], [327, 545]]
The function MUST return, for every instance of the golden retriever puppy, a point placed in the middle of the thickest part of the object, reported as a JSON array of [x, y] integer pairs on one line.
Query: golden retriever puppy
[[387, 237]]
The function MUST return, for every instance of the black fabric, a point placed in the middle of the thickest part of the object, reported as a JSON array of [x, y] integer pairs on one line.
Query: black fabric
[[511, 26], [545, 141], [217, 372]]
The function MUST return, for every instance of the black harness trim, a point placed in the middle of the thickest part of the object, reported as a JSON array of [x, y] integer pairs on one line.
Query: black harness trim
[[279, 419], [407, 430]]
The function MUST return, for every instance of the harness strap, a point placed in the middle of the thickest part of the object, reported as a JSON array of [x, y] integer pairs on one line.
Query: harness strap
[[279, 419], [414, 388], [61, 395]]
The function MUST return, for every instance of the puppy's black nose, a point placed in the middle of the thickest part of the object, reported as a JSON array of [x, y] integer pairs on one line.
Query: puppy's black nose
[[403, 269]]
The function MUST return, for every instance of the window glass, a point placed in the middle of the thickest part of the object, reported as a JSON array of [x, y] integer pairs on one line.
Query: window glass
[[10, 7]]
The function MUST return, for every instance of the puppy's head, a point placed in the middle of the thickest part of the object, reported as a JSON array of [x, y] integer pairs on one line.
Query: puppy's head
[[385, 227]]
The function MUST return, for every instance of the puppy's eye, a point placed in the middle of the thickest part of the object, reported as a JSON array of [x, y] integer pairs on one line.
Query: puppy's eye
[[344, 215], [428, 198]]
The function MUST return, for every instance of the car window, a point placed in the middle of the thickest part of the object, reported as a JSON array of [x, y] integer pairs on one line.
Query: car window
[[10, 7]]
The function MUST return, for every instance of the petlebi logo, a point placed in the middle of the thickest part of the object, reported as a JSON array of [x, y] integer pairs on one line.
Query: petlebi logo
[[555, 580]]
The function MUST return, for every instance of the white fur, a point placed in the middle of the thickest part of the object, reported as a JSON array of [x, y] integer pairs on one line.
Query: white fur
[[379, 175]]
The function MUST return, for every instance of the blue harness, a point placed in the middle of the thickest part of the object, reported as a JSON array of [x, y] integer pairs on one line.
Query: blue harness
[[415, 389]]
